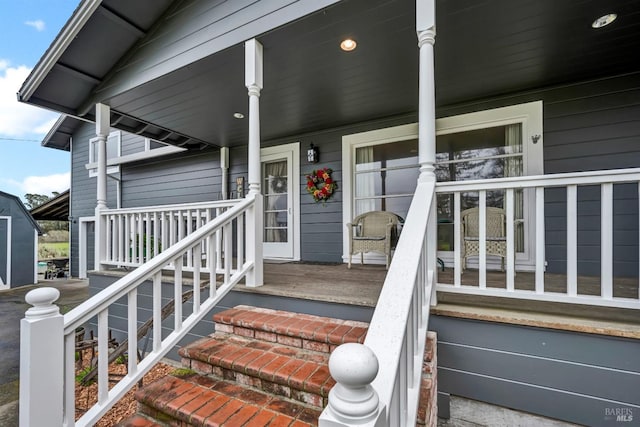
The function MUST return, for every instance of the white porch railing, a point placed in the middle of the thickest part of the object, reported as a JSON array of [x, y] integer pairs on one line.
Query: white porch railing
[[135, 235], [570, 182], [48, 340], [378, 383]]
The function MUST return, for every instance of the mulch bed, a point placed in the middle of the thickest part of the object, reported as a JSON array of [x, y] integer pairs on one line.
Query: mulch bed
[[87, 396]]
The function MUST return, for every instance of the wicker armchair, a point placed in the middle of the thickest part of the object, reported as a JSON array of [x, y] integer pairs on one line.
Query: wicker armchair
[[375, 231], [496, 237]]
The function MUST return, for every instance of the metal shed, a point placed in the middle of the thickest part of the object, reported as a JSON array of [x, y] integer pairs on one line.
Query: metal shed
[[18, 243]]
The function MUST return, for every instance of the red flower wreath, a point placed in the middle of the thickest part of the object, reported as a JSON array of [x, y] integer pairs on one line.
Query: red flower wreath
[[320, 185]]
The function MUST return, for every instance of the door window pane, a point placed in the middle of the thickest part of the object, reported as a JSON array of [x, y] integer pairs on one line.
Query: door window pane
[[275, 201]]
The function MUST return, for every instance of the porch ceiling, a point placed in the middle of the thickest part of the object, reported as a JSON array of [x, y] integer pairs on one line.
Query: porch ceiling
[[483, 48]]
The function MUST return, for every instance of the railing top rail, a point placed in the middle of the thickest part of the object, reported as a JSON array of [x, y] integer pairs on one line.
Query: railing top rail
[[179, 206], [387, 327], [551, 180], [83, 312]]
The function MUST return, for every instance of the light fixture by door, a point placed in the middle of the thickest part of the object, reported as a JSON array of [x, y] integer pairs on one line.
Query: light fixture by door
[[313, 155]]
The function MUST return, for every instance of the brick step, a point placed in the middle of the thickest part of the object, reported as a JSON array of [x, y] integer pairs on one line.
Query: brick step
[[262, 368], [291, 372], [305, 331], [196, 400]]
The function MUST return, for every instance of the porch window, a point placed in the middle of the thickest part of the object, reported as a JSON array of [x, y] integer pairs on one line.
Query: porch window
[[381, 168], [493, 152], [384, 174], [114, 148]]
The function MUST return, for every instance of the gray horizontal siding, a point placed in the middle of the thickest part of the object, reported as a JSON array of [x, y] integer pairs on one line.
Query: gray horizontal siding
[[191, 176], [574, 377], [23, 264], [131, 143]]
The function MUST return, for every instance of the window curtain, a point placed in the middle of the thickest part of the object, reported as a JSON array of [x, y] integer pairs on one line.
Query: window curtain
[[513, 167], [365, 182], [275, 176]]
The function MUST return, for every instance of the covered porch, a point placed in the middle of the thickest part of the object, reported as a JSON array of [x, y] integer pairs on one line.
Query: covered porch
[[176, 78]]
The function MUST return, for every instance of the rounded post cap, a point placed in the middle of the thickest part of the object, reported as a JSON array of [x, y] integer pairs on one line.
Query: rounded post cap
[[42, 300]]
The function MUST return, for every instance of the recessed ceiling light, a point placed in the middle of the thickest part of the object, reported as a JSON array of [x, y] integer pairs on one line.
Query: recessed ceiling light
[[348, 45], [604, 20], [238, 115]]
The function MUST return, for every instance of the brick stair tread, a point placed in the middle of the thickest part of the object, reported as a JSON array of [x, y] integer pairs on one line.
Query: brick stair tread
[[223, 355], [268, 324], [138, 421], [202, 401]]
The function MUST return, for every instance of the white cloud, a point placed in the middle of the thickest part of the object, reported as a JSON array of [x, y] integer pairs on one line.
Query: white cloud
[[18, 119], [46, 126], [38, 24], [43, 184]]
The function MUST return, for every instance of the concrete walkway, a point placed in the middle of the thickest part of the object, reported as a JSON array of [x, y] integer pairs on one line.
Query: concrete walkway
[[471, 413], [12, 308]]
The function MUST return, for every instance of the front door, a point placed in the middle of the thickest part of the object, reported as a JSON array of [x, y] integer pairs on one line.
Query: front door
[[278, 188]]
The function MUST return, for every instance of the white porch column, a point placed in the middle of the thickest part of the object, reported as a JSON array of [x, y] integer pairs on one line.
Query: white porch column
[[103, 126], [224, 164], [253, 81], [426, 30]]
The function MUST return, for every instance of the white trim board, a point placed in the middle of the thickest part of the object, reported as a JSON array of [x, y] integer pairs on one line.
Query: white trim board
[[7, 285]]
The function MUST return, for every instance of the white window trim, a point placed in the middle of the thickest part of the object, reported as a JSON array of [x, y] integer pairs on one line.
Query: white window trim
[[113, 164], [92, 166], [529, 114], [7, 284], [349, 145]]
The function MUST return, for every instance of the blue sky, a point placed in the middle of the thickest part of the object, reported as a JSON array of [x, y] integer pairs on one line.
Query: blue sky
[[27, 28]]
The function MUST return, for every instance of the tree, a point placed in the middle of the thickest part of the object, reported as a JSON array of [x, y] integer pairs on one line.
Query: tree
[[35, 200]]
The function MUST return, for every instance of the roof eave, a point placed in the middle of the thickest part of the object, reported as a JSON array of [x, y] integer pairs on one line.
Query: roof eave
[[80, 16]]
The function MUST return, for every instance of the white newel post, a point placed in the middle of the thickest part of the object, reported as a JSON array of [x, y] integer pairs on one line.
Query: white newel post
[[103, 126], [426, 30], [353, 401], [253, 81], [41, 360]]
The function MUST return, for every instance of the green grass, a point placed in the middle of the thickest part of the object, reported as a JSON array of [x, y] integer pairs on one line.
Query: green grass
[[53, 250]]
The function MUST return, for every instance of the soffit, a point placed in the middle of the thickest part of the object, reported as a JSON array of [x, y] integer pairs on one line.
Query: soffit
[[483, 49]]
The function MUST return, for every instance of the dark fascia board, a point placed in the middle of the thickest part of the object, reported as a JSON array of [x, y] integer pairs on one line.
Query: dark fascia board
[[56, 133], [51, 209], [24, 209]]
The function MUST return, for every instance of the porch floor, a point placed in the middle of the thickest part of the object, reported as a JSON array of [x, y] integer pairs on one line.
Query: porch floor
[[361, 285]]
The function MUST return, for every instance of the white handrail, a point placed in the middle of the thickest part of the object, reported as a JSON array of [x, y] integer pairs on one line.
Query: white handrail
[[551, 180], [396, 337], [127, 288], [184, 206]]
